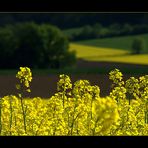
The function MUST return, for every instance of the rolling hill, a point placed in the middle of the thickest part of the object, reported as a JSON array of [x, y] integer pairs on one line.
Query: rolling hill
[[123, 43], [91, 53]]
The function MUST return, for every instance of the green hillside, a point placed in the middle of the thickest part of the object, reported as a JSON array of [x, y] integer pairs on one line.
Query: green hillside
[[91, 53], [116, 42]]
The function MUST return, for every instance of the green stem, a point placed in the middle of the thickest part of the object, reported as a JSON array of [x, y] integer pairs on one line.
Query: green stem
[[91, 107], [15, 122], [94, 129], [73, 116], [146, 117], [40, 123], [24, 117], [68, 122], [10, 114], [73, 123], [146, 113], [95, 126], [55, 124], [0, 116], [90, 117], [64, 92], [63, 98], [23, 110]]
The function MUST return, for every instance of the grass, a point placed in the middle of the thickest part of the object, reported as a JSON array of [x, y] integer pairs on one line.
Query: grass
[[116, 42], [77, 71], [129, 59], [91, 53], [84, 51], [8, 71]]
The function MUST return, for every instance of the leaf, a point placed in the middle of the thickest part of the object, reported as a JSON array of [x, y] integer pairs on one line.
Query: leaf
[[20, 95], [18, 86], [28, 90]]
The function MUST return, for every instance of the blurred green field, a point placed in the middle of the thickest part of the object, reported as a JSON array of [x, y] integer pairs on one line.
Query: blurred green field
[[116, 42], [91, 53], [131, 59]]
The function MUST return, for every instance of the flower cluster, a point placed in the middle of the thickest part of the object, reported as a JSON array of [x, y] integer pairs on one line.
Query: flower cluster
[[25, 77], [83, 112]]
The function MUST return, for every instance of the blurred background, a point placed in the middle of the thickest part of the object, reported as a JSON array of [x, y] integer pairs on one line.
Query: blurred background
[[82, 45]]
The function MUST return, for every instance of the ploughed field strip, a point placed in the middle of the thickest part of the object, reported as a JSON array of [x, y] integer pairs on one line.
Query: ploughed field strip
[[46, 85]]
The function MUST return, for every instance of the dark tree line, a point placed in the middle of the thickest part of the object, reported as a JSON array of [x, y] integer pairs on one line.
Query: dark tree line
[[99, 31], [72, 20], [33, 45]]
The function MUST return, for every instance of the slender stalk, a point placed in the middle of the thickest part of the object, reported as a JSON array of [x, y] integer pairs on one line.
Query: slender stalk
[[55, 124], [73, 116], [146, 114], [10, 114], [40, 123], [146, 117], [91, 107], [77, 127], [0, 116], [95, 126], [129, 101], [24, 118], [63, 93], [68, 121], [94, 129], [73, 122], [23, 110], [90, 116], [15, 121], [63, 96]]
